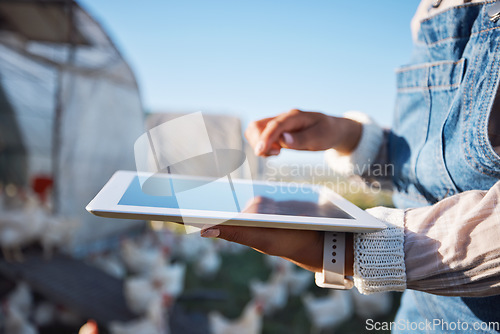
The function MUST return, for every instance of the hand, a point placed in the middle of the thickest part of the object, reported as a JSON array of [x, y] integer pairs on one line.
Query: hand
[[300, 130], [304, 248]]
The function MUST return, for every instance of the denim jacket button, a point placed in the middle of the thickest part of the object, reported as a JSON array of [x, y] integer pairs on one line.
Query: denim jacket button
[[494, 11]]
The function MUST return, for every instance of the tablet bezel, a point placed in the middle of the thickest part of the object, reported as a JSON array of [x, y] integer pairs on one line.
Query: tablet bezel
[[105, 204]]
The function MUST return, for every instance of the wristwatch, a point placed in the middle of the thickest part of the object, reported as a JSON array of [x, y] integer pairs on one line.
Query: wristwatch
[[333, 275]]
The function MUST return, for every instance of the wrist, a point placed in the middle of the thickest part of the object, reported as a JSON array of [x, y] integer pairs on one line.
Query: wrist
[[347, 134]]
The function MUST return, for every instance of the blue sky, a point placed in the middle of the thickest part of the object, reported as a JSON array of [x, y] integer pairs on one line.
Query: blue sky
[[262, 57]]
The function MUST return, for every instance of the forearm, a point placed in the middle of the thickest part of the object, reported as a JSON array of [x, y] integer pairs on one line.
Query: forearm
[[369, 158], [450, 248], [453, 248], [350, 131]]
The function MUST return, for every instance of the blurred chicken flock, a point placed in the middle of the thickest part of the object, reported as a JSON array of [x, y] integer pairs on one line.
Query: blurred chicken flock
[[215, 286]]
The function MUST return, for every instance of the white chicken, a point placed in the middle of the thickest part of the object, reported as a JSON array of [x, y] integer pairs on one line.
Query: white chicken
[[191, 246], [208, 262], [16, 322], [371, 306], [154, 322], [44, 314], [20, 227], [169, 279], [57, 233], [12, 239], [139, 293], [273, 295], [21, 299], [330, 311], [165, 281], [166, 239], [249, 322], [110, 264], [141, 260], [230, 247], [298, 280], [68, 316], [143, 326], [277, 263]]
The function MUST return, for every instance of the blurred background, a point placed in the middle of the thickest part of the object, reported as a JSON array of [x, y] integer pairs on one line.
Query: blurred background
[[81, 81]]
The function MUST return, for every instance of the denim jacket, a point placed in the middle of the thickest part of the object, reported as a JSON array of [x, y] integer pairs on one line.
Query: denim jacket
[[439, 143]]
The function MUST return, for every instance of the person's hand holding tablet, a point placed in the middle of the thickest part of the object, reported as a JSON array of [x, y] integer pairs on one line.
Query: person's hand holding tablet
[[301, 131]]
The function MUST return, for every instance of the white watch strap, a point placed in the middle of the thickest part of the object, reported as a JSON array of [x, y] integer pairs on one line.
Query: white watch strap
[[333, 275]]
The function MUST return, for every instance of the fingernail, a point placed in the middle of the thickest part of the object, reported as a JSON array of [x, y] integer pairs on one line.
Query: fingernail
[[288, 138], [211, 233], [274, 152], [259, 148]]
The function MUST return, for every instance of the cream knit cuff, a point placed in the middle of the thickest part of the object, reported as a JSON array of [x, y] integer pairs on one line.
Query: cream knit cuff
[[379, 256], [365, 153]]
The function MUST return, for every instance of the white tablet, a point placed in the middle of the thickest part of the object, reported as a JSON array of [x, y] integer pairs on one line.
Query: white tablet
[[202, 201]]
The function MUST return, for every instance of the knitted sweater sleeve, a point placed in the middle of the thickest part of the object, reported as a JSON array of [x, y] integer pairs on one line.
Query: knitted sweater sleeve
[[450, 248]]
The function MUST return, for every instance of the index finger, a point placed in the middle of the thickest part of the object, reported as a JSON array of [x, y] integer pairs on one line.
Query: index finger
[[289, 122], [254, 131]]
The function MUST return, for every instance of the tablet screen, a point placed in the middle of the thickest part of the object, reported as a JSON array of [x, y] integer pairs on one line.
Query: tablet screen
[[290, 200]]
